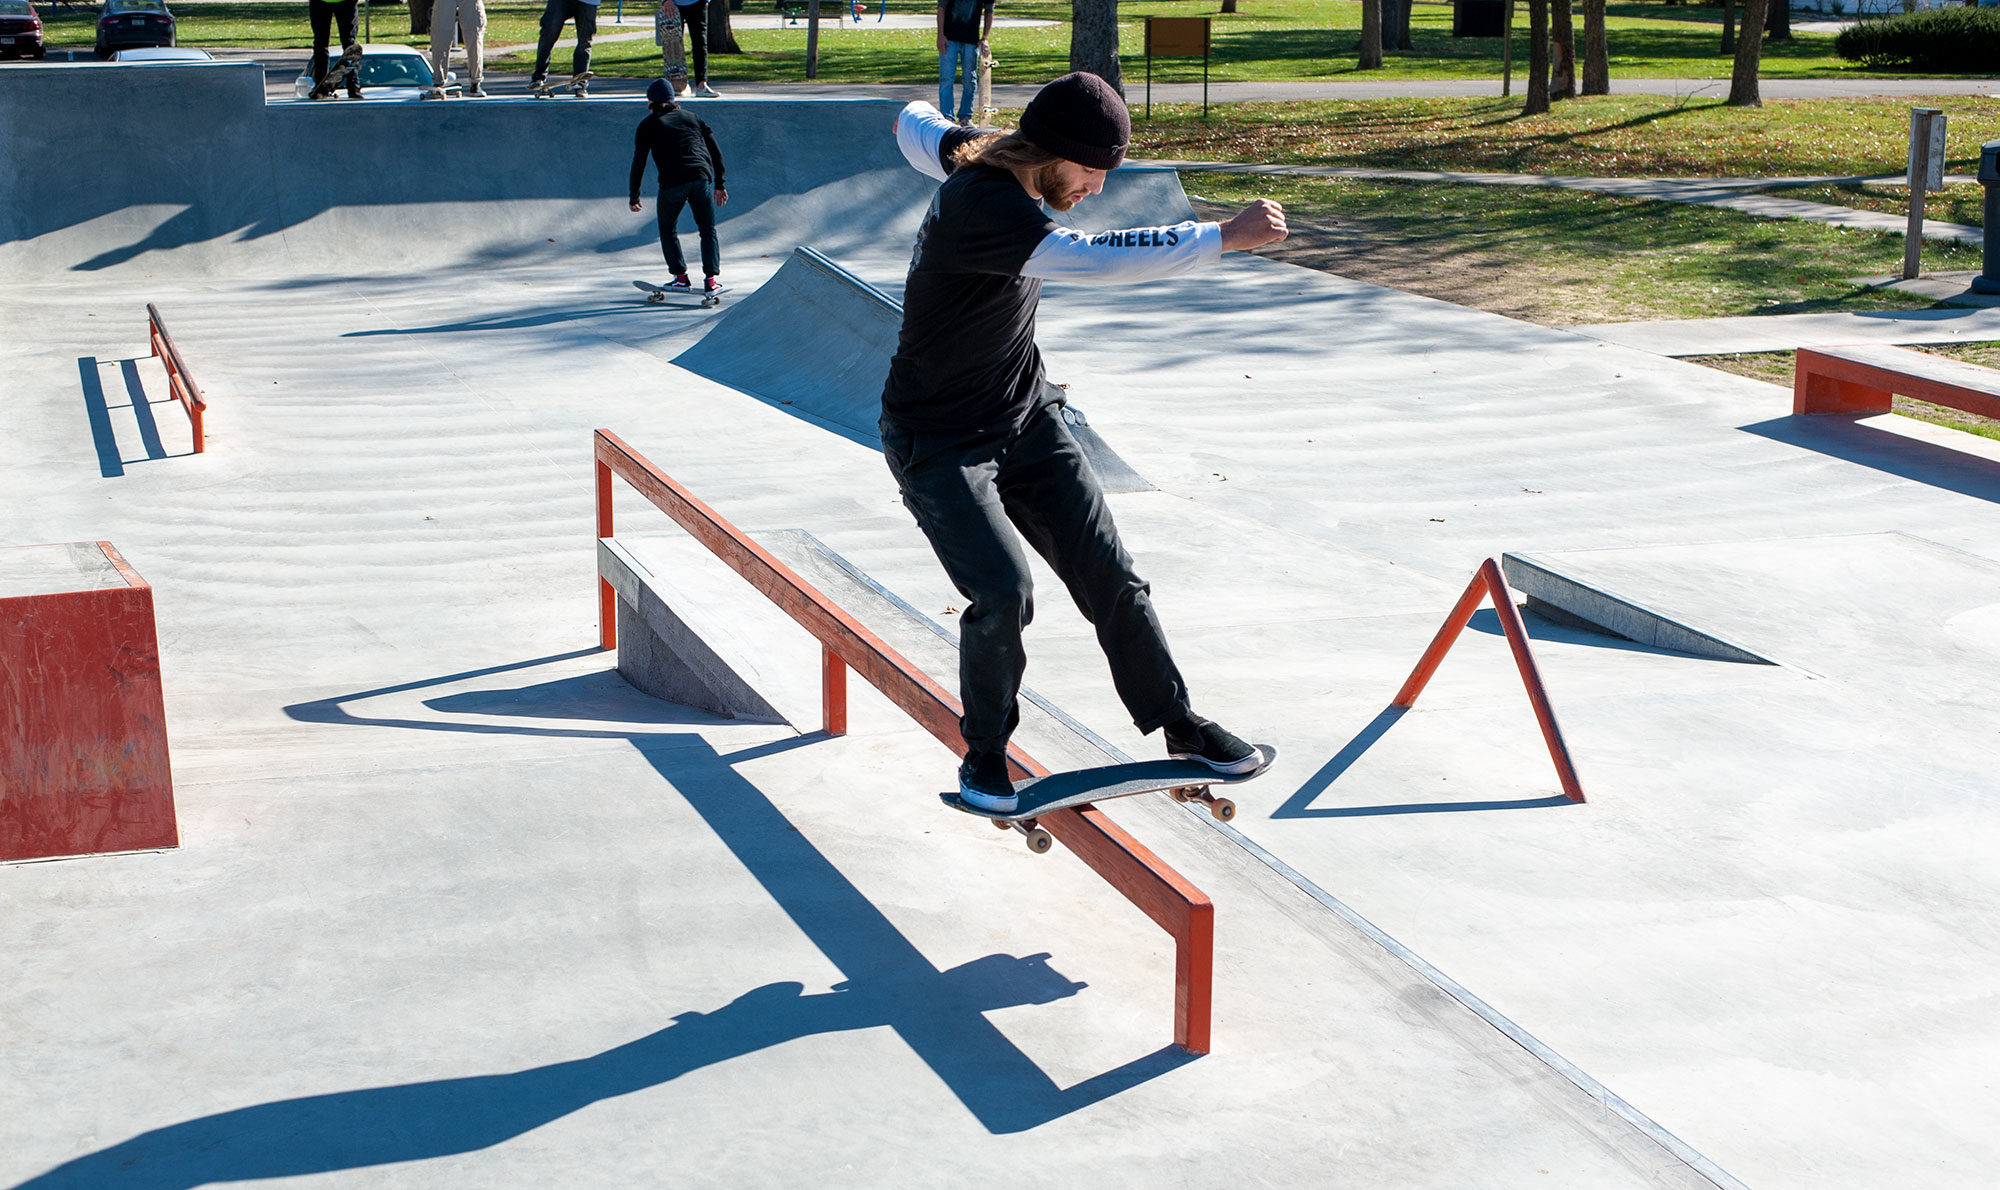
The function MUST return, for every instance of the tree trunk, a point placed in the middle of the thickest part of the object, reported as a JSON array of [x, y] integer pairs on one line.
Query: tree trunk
[[1371, 35], [1778, 24], [1390, 9], [1728, 26], [1093, 40], [1562, 40], [721, 38], [420, 16], [1538, 59], [1596, 52], [1749, 50]]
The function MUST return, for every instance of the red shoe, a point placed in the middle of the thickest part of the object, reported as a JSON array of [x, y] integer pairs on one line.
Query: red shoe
[[680, 281], [711, 285]]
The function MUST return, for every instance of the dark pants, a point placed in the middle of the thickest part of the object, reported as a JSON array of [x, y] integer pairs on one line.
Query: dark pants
[[698, 198], [965, 490], [694, 21], [553, 16], [324, 17]]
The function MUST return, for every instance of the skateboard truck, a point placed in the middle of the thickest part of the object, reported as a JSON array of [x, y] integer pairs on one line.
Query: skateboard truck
[[1219, 808]]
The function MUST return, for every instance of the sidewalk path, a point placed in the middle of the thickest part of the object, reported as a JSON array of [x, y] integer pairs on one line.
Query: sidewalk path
[[1713, 192], [1784, 332]]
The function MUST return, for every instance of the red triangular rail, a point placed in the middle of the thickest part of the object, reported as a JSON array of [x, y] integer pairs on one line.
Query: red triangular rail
[[1486, 583]]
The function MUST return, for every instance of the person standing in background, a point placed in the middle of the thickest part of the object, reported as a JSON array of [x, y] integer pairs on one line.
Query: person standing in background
[[466, 21], [554, 16], [670, 35], [690, 166], [325, 16], [694, 20], [963, 27]]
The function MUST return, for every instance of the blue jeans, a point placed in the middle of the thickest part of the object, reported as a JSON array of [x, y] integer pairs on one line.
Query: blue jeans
[[964, 55]]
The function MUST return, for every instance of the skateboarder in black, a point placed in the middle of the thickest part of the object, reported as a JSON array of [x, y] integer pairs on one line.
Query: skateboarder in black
[[325, 17], [690, 167], [556, 14], [973, 438]]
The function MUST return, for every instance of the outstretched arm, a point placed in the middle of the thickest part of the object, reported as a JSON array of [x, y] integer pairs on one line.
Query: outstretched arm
[[920, 134], [1149, 253]]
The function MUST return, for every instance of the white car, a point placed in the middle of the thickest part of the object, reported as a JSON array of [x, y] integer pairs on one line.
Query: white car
[[163, 53], [387, 71]]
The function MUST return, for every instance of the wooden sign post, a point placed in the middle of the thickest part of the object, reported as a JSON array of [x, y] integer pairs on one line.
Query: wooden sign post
[[1176, 37]]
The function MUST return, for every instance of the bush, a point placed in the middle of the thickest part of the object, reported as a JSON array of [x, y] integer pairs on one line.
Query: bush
[[1947, 40]]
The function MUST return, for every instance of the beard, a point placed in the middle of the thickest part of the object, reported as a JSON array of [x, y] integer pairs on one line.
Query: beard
[[1049, 182]]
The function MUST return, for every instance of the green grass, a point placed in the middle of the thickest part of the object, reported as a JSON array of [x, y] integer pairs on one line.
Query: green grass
[[1615, 136], [1561, 257], [1270, 40]]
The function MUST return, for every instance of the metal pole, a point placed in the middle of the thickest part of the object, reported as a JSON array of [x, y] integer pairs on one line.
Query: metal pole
[[1926, 162], [1988, 280]]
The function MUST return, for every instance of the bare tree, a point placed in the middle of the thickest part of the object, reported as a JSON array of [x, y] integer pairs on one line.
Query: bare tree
[[1538, 59], [1778, 22], [1396, 33], [1596, 51], [1093, 40], [1371, 35], [1749, 51], [1562, 39], [1728, 26]]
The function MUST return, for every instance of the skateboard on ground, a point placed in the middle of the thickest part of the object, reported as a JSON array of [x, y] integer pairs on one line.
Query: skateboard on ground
[[984, 112], [450, 92], [338, 73], [578, 84], [1186, 780], [658, 294], [673, 47]]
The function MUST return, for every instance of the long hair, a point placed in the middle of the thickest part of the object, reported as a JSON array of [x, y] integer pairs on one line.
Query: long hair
[[662, 108], [1009, 151]]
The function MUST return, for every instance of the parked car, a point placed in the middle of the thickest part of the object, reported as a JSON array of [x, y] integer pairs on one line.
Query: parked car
[[20, 30], [163, 53], [128, 24], [387, 71]]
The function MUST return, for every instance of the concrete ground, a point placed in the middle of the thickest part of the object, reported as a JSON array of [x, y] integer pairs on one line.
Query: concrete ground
[[455, 905]]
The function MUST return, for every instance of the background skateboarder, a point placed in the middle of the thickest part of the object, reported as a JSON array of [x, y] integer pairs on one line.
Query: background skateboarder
[[554, 15], [465, 19], [976, 446], [963, 27], [324, 18], [669, 35], [694, 23], [690, 166]]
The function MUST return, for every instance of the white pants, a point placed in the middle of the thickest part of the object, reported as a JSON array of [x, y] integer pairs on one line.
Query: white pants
[[446, 17]]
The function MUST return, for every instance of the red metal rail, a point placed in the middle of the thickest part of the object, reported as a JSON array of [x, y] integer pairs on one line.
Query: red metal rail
[[184, 389], [1488, 582], [1161, 893]]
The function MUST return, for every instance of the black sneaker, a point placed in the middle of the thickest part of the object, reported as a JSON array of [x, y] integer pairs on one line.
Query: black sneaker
[[983, 783], [1195, 738]]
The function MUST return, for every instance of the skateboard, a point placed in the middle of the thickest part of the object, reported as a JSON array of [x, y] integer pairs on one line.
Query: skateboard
[[673, 46], [985, 109], [336, 74], [451, 92], [1186, 780], [658, 294], [578, 84]]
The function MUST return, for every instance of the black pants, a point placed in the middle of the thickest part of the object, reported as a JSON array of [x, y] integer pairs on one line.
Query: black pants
[[553, 17], [694, 30], [324, 17], [698, 198], [965, 490]]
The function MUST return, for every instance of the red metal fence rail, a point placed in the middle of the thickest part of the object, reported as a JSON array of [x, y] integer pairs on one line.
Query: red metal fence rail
[[1161, 893], [184, 389], [1489, 582]]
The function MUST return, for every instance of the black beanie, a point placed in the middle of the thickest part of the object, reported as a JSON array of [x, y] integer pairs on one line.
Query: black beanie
[[1079, 118]]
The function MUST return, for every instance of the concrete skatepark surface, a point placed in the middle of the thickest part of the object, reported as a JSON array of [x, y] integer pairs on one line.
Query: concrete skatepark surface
[[456, 905]]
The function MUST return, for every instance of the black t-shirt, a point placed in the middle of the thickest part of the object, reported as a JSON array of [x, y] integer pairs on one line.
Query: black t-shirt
[[966, 358], [681, 145], [962, 19]]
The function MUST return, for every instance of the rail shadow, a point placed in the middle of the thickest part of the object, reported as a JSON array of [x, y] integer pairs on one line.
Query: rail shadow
[[1844, 437], [111, 461]]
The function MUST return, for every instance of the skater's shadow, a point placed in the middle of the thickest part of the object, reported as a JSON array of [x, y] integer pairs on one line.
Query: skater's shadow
[[941, 1015], [373, 1126]]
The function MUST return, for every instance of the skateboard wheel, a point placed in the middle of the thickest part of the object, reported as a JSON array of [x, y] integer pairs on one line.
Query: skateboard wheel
[[1223, 809], [1002, 823], [1039, 842], [1179, 795]]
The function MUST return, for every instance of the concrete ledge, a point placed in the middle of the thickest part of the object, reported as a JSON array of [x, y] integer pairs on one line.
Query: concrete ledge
[[1547, 587], [673, 646]]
